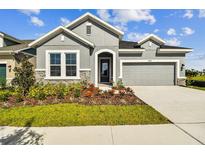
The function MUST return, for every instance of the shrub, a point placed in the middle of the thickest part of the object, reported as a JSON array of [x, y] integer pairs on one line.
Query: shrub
[[111, 92], [88, 93], [77, 93], [198, 83], [3, 83], [4, 95], [119, 85], [24, 76], [84, 84], [40, 91], [189, 82]]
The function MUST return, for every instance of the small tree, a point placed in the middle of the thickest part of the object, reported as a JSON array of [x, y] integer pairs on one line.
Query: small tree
[[24, 75], [191, 73]]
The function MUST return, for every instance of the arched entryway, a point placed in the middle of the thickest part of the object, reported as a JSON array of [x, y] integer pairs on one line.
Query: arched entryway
[[105, 66]]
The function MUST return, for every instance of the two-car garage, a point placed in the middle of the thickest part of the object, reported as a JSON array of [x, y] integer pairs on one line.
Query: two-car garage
[[148, 73]]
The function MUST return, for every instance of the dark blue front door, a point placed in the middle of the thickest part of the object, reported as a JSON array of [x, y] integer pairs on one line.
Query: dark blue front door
[[3, 71]]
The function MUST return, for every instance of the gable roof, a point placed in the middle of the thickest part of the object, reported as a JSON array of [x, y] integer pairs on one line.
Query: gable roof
[[128, 45], [96, 19], [152, 37], [56, 31], [9, 37], [172, 47], [15, 47]]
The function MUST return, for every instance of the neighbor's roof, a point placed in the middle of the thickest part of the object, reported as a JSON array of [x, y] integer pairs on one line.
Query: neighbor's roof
[[56, 31], [17, 46], [96, 19], [9, 37]]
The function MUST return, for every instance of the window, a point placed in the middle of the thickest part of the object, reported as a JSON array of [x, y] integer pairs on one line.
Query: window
[[62, 64], [55, 64], [88, 29], [71, 67]]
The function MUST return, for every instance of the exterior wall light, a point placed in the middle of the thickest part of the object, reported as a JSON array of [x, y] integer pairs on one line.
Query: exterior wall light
[[182, 67], [9, 67]]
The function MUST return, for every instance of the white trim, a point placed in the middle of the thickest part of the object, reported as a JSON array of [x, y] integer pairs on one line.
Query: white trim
[[40, 69], [85, 69], [88, 24], [63, 64], [1, 34], [152, 60], [3, 62], [6, 52], [131, 50], [86, 15], [174, 50], [16, 51], [155, 37], [58, 30], [96, 64], [100, 58]]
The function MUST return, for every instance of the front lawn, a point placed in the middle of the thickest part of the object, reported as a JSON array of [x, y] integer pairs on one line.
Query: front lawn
[[195, 87], [80, 115], [198, 78]]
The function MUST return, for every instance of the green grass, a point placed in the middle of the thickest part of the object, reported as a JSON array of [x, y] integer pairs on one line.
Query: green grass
[[195, 87], [80, 115], [198, 78]]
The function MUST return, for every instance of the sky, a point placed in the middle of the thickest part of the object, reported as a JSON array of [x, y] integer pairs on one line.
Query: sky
[[184, 28]]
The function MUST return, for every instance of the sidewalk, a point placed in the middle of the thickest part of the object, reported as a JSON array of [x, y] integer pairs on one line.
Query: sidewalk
[[100, 135]]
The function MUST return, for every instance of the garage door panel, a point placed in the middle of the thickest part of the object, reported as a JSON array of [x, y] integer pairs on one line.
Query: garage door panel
[[150, 74]]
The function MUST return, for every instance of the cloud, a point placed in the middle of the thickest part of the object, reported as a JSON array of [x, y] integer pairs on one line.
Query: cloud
[[30, 11], [187, 31], [156, 31], [125, 16], [39, 34], [196, 60], [136, 36], [120, 18], [64, 21], [202, 13], [173, 41], [171, 31], [36, 21], [188, 14], [104, 14]]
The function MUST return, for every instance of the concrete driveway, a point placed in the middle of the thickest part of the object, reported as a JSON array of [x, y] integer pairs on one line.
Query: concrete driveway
[[185, 107]]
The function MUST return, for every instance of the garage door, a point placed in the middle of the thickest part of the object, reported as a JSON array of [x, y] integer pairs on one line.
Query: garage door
[[148, 74], [3, 71]]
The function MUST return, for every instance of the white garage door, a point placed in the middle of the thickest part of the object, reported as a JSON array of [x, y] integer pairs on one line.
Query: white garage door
[[148, 74]]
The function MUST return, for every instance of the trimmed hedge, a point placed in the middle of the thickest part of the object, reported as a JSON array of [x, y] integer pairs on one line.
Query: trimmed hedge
[[195, 83]]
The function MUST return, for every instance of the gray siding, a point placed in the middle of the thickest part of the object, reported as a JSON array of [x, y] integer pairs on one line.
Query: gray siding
[[99, 35], [68, 44]]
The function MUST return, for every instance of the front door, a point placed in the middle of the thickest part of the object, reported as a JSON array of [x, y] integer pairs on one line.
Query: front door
[[3, 71], [104, 70]]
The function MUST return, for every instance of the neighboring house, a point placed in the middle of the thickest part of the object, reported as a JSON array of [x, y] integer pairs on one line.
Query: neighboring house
[[9, 46], [91, 49]]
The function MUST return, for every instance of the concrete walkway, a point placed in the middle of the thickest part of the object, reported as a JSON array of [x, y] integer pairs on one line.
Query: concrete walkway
[[185, 107], [100, 135]]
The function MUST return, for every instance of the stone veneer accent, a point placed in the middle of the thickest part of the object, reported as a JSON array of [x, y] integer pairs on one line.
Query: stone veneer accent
[[40, 75], [181, 82]]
